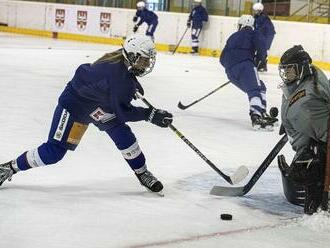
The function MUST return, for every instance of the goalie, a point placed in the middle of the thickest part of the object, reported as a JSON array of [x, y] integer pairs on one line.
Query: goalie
[[305, 113]]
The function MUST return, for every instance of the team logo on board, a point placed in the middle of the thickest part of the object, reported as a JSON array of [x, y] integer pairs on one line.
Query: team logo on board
[[81, 20], [59, 18], [105, 20]]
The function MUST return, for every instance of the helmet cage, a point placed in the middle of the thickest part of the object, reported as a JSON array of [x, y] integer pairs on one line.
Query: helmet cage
[[289, 72], [139, 64]]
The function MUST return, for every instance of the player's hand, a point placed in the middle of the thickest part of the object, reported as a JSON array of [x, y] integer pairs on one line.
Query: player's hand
[[135, 28], [159, 117], [135, 18], [188, 24]]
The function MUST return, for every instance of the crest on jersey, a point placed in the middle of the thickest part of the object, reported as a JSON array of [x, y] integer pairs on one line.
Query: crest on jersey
[[81, 20], [102, 116], [59, 18], [105, 21]]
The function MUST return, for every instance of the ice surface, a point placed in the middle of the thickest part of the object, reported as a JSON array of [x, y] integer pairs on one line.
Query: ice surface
[[91, 199]]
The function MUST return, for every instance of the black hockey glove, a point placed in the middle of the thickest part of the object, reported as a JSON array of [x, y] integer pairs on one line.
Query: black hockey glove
[[188, 24], [135, 18], [307, 168], [135, 28], [159, 117]]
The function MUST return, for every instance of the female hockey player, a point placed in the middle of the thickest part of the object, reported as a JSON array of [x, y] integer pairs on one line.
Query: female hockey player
[[305, 115], [197, 17], [147, 16], [100, 93], [237, 58]]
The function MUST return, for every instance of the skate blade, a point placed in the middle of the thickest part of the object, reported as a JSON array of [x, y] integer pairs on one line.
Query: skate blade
[[263, 129], [160, 193]]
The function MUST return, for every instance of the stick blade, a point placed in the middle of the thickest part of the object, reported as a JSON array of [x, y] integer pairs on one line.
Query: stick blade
[[227, 191], [181, 106], [239, 174]]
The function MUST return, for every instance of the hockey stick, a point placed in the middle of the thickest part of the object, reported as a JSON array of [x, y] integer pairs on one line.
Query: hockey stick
[[177, 45], [238, 176], [181, 106], [240, 191], [326, 190]]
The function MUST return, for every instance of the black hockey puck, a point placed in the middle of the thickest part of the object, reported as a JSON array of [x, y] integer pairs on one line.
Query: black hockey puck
[[226, 216], [273, 112]]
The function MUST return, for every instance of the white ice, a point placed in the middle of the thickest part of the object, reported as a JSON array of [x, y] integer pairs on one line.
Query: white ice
[[91, 199]]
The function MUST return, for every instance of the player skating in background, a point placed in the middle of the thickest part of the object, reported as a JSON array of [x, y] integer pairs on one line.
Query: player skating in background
[[305, 114], [197, 16], [238, 59], [264, 25], [144, 15], [100, 93]]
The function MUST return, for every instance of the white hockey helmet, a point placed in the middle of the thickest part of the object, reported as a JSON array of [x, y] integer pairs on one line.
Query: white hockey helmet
[[141, 5], [197, 1], [140, 54], [258, 7], [245, 21]]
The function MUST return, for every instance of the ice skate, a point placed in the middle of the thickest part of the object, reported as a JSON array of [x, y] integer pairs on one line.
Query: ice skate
[[194, 51], [270, 119], [148, 180], [6, 172], [259, 123]]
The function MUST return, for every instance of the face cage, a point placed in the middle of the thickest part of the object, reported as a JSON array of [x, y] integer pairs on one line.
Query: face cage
[[289, 73], [143, 65]]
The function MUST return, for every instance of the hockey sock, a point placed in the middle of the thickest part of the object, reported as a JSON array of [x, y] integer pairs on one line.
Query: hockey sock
[[45, 154]]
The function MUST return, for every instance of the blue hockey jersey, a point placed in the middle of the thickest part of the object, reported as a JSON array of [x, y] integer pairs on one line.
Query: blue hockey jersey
[[146, 16], [198, 15], [105, 87], [264, 25], [242, 45]]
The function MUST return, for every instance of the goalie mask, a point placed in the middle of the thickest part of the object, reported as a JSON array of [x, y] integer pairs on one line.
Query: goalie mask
[[140, 54], [295, 65]]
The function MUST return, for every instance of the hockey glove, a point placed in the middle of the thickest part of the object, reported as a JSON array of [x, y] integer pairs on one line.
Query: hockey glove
[[159, 117], [188, 24], [135, 18], [135, 28]]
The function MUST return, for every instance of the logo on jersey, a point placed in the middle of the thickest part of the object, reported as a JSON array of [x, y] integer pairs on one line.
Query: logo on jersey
[[105, 21], [62, 125], [81, 20], [59, 18], [99, 115], [297, 96]]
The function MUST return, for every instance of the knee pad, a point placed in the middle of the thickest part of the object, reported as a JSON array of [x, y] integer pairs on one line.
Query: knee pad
[[51, 153]]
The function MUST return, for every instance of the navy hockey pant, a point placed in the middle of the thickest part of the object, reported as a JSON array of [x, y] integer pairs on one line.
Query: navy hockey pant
[[65, 134], [245, 76]]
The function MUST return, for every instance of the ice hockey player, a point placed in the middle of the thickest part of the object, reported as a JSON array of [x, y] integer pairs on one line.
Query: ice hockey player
[[197, 16], [305, 113], [238, 59], [144, 15], [101, 93], [264, 25]]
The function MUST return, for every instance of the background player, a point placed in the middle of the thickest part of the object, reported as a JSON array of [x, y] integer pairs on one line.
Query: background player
[[264, 25], [100, 93], [238, 59], [305, 115], [144, 15], [197, 16]]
